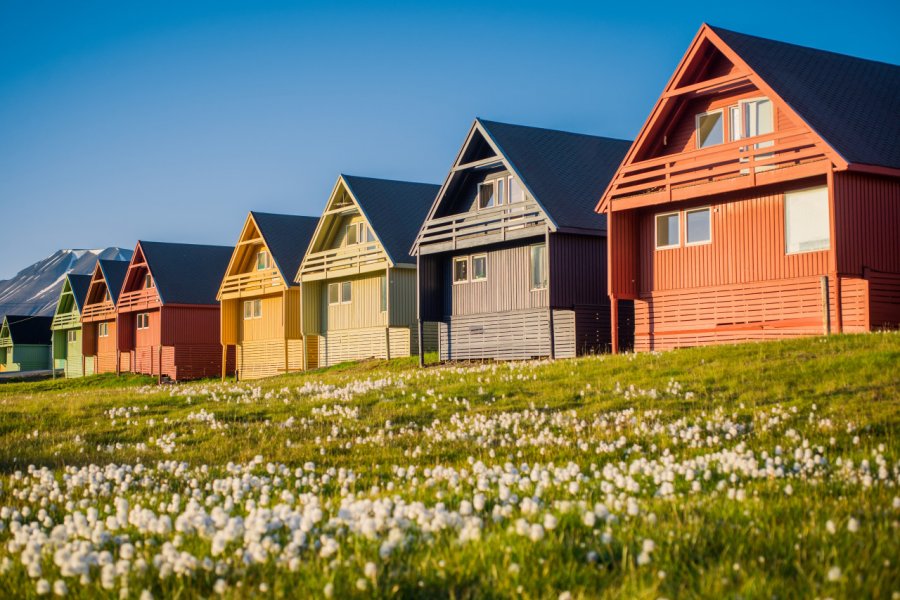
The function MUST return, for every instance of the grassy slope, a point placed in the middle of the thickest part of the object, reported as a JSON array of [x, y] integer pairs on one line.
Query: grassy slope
[[771, 543]]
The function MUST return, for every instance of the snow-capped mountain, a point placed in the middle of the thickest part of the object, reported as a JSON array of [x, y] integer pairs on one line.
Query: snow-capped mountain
[[35, 289]]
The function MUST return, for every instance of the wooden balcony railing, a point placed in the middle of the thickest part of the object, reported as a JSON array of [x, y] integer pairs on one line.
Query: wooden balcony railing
[[253, 282], [734, 165], [479, 227], [138, 300], [65, 321], [340, 262], [98, 312]]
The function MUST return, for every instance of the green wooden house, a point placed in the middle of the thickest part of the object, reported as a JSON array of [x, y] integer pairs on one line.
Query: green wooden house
[[25, 343], [66, 328]]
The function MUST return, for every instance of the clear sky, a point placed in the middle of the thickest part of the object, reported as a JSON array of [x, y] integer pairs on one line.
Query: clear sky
[[156, 120]]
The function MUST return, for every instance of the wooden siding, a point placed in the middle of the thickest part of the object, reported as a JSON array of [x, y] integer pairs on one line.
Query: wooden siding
[[747, 311], [430, 274], [867, 223], [68, 355], [884, 294], [747, 245], [344, 345], [104, 351], [507, 287], [364, 309], [403, 298], [511, 335], [265, 357], [24, 357], [577, 270]]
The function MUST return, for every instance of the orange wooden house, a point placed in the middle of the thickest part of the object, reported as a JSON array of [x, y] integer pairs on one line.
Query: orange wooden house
[[167, 313], [761, 198], [98, 316]]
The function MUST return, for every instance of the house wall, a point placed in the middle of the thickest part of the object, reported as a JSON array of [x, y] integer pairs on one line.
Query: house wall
[[105, 360], [512, 335], [364, 309], [69, 355], [25, 357]]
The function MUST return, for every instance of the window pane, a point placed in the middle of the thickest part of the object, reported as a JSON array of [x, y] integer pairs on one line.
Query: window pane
[[479, 267], [246, 309], [709, 129], [538, 267], [370, 237], [345, 291], [333, 297], [261, 261], [807, 226], [257, 308], [460, 269], [763, 118], [667, 230], [735, 123], [516, 191], [500, 191], [351, 234], [697, 225], [486, 195]]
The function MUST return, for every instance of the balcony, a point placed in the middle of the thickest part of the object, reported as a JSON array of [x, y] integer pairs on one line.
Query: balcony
[[253, 283], [481, 227], [142, 299], [341, 262], [780, 156], [67, 320], [102, 311]]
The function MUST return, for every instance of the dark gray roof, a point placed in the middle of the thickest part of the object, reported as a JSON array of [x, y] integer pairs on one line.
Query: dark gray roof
[[852, 103], [287, 237], [29, 329], [394, 209], [186, 273], [566, 172], [114, 273], [79, 285]]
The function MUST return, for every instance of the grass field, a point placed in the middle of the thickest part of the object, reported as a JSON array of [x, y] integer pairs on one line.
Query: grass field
[[754, 471]]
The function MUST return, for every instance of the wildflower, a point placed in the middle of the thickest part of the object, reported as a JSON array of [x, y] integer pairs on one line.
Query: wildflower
[[220, 586], [369, 570], [834, 574], [60, 588], [328, 591], [852, 525], [42, 587]]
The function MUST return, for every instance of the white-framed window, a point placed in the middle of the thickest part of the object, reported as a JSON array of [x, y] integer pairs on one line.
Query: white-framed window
[[148, 280], [346, 292], [340, 293], [262, 260], [460, 269], [500, 190], [106, 297], [752, 117], [539, 267], [668, 230], [710, 128], [383, 289], [807, 226], [479, 267], [516, 191], [334, 293], [370, 235], [698, 226], [71, 335], [103, 330], [143, 320], [486, 196], [252, 309], [358, 233]]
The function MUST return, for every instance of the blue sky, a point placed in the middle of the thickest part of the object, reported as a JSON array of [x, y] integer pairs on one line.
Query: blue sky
[[170, 120]]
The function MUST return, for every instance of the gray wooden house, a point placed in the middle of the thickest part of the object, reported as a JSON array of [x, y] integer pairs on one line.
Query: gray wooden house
[[512, 257]]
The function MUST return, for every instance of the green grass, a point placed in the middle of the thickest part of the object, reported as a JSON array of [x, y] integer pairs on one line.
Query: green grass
[[819, 406]]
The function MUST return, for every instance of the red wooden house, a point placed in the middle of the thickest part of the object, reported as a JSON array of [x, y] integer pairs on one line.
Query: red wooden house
[[167, 313], [761, 198], [98, 316]]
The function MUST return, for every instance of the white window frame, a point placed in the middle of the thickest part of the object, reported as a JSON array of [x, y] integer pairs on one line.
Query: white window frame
[[143, 321], [148, 281], [346, 285], [262, 254], [71, 336], [337, 286], [828, 216], [509, 185], [656, 217], [252, 309], [545, 268], [721, 111], [493, 195], [499, 198], [687, 242], [106, 296], [459, 259], [102, 329], [472, 276]]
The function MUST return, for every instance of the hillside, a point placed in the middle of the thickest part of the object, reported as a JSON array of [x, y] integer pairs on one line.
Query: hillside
[[761, 470], [35, 289]]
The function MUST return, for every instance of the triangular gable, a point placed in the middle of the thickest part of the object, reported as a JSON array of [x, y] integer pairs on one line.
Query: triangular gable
[[478, 150], [341, 202], [134, 277], [248, 243], [108, 276], [26, 329], [66, 304], [703, 67], [5, 334]]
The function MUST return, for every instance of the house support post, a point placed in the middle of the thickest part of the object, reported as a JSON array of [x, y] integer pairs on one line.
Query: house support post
[[224, 360], [826, 313], [159, 376], [387, 312], [118, 361], [420, 329], [549, 296], [83, 365], [614, 323], [52, 355], [832, 218]]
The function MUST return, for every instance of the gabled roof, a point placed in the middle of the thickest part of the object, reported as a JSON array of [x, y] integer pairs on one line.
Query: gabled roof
[[852, 103], [186, 273], [114, 273], [25, 329], [394, 209], [79, 285], [287, 237], [565, 172]]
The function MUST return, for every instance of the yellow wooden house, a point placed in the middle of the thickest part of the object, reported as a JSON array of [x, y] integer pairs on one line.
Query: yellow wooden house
[[260, 301], [358, 279]]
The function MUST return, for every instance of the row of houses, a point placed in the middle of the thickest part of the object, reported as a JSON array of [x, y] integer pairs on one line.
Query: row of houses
[[760, 200]]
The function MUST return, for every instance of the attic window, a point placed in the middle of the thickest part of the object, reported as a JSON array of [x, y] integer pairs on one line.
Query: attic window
[[357, 233], [486, 197], [148, 281], [516, 191], [262, 260], [750, 118], [710, 128], [106, 297]]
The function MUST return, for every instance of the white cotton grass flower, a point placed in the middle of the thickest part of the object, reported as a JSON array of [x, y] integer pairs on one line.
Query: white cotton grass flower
[[852, 525], [834, 574], [830, 527], [565, 595], [370, 570], [60, 588], [42, 587], [328, 591]]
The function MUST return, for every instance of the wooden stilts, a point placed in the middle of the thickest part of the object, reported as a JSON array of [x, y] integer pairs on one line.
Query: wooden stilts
[[614, 324]]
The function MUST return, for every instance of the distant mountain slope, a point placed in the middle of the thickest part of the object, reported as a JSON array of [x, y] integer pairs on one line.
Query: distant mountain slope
[[35, 289]]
